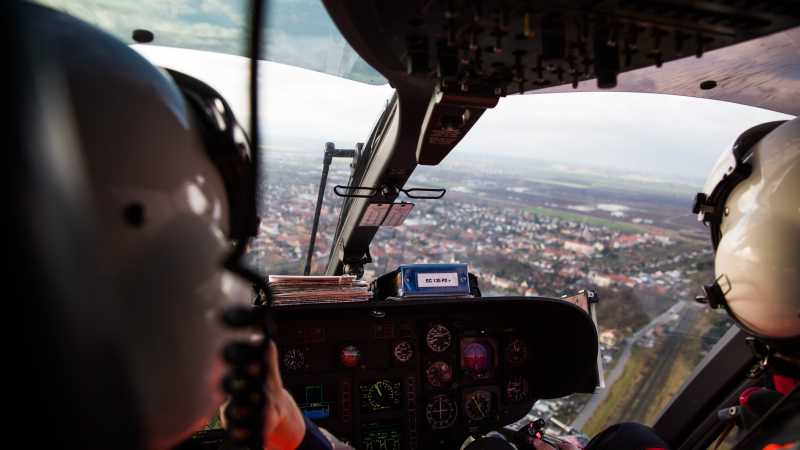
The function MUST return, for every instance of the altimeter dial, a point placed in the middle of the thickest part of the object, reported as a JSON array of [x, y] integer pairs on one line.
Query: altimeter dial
[[438, 338]]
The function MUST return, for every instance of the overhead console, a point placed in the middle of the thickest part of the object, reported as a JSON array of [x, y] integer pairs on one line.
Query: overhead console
[[425, 373], [473, 51]]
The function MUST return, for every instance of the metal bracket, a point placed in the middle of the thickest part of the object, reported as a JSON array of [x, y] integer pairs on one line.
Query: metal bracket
[[330, 152], [355, 266]]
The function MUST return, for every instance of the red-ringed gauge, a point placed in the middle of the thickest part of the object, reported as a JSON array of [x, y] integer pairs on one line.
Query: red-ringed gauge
[[403, 351], [439, 374]]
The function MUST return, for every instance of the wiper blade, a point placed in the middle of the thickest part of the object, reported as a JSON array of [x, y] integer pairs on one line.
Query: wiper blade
[[371, 192]]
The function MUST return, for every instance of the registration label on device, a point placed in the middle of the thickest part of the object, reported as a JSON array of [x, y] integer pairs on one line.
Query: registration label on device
[[436, 280]]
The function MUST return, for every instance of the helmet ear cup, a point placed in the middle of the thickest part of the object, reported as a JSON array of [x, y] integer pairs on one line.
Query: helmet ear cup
[[228, 148]]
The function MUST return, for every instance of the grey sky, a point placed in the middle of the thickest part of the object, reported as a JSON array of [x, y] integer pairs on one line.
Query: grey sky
[[646, 133], [651, 134]]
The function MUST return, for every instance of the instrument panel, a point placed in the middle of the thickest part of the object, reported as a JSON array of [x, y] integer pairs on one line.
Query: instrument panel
[[414, 374]]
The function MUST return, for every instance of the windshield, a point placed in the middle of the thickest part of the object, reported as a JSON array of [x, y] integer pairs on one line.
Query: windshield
[[552, 193], [298, 32]]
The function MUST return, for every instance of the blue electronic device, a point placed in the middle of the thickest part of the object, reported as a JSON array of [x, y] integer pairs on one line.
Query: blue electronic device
[[432, 279]]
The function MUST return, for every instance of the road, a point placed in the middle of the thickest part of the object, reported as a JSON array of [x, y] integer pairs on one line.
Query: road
[[636, 409], [611, 378]]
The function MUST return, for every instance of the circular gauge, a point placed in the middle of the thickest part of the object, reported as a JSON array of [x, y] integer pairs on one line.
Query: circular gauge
[[478, 405], [350, 356], [439, 374], [517, 389], [438, 338], [517, 352], [294, 359], [382, 395], [477, 359], [403, 351], [441, 412]]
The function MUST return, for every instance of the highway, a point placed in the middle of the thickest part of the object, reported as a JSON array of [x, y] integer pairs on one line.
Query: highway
[[611, 378]]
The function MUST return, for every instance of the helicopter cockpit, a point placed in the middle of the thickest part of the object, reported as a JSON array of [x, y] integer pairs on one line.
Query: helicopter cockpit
[[571, 270]]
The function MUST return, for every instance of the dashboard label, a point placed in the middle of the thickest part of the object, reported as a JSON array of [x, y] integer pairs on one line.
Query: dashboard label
[[437, 280]]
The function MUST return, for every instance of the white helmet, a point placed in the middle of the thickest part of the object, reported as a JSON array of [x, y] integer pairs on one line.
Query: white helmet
[[751, 203], [168, 174]]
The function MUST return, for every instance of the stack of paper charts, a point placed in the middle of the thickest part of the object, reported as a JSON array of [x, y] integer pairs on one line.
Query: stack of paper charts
[[294, 290]]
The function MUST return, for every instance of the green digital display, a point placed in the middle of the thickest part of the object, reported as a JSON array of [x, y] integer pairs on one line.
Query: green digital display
[[380, 437]]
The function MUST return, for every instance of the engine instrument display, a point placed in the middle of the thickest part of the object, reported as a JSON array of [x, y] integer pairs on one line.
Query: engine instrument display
[[375, 436], [381, 395], [315, 401], [403, 351], [516, 389], [439, 374], [478, 405], [438, 338], [441, 412]]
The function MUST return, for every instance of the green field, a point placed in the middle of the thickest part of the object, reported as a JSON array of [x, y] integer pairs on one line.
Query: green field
[[591, 220], [609, 411], [670, 363]]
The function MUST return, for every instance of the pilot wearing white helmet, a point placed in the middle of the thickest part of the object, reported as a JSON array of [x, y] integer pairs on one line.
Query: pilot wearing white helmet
[[157, 170], [751, 204]]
